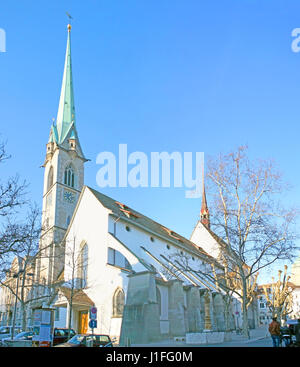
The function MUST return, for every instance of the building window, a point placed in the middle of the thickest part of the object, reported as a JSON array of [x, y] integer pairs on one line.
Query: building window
[[127, 229], [69, 176], [50, 178], [115, 258], [56, 313], [83, 265], [151, 239], [118, 302], [261, 305], [158, 297]]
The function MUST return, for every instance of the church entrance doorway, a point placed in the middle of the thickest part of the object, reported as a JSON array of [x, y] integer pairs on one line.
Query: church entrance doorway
[[83, 322]]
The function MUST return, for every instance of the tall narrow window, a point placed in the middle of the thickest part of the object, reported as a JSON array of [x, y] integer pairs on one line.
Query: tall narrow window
[[118, 302], [158, 297], [50, 178], [69, 177], [83, 266]]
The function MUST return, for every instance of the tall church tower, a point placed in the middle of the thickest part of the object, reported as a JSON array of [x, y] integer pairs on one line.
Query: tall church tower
[[63, 177]]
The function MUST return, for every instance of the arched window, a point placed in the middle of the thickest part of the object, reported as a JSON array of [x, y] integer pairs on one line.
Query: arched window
[[69, 176], [50, 178], [115, 258], [118, 302], [83, 265]]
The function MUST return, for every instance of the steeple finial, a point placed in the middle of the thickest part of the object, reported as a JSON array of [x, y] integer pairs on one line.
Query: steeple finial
[[70, 17]]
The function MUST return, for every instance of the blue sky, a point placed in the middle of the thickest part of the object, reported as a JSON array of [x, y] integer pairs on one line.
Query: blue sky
[[157, 75]]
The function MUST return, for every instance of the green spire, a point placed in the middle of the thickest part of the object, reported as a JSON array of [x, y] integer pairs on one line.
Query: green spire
[[66, 109]]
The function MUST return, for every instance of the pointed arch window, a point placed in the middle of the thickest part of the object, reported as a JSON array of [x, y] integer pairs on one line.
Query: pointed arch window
[[50, 178], [83, 265], [115, 258], [69, 176], [118, 302]]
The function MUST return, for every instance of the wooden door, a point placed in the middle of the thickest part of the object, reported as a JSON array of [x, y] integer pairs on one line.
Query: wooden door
[[83, 322]]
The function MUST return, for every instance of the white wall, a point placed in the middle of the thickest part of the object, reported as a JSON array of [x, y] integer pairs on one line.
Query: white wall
[[138, 237], [62, 318], [201, 237], [91, 225]]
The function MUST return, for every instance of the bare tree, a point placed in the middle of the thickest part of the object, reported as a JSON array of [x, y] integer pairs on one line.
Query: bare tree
[[12, 198], [280, 296], [23, 272], [256, 228]]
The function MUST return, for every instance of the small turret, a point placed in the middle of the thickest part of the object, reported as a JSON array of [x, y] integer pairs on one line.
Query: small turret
[[204, 212]]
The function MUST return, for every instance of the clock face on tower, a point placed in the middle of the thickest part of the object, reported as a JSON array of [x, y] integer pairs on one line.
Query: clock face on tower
[[69, 197]]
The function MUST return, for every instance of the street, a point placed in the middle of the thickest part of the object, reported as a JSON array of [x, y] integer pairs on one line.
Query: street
[[255, 343], [262, 343]]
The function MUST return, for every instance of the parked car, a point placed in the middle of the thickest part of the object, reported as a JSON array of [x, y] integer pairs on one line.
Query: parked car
[[291, 324], [87, 340], [24, 335], [6, 331], [61, 335]]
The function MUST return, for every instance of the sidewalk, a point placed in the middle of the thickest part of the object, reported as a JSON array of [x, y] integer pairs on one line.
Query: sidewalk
[[255, 334]]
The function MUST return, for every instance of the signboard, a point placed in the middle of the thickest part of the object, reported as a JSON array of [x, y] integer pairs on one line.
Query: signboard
[[46, 317], [93, 313], [37, 317], [43, 320], [93, 324], [45, 333]]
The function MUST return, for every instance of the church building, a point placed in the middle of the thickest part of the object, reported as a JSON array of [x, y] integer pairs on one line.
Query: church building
[[146, 281]]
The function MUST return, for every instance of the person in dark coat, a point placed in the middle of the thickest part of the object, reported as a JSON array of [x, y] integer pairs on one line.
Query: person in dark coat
[[274, 330]]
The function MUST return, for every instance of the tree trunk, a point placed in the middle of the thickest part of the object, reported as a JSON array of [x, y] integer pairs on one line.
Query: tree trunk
[[226, 315], [245, 322], [24, 318], [70, 314], [245, 310]]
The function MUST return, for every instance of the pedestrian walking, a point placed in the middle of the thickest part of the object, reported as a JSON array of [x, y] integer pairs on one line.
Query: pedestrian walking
[[274, 330], [285, 335]]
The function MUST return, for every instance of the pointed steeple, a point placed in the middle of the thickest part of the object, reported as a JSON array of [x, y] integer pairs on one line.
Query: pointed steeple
[[66, 109], [64, 129], [204, 212]]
